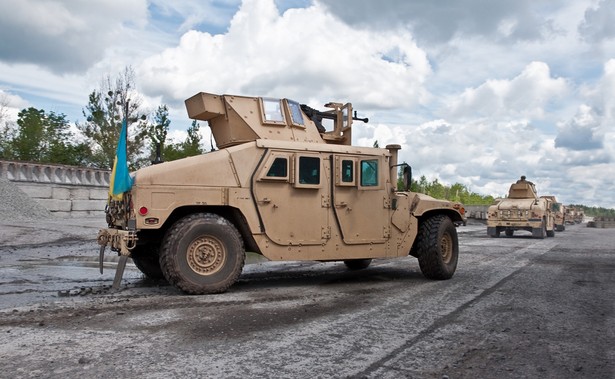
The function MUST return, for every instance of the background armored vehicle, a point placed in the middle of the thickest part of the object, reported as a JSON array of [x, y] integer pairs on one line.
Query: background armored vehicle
[[521, 210], [574, 215], [559, 211], [282, 186]]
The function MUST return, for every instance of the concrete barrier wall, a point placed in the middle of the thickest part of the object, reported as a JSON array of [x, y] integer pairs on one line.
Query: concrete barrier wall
[[476, 211], [66, 191]]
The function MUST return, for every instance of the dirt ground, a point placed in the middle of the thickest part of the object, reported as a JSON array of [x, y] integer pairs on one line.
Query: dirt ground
[[516, 308]]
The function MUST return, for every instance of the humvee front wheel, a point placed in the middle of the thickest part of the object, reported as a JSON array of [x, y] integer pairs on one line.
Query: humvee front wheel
[[438, 247], [509, 232], [357, 264], [202, 253]]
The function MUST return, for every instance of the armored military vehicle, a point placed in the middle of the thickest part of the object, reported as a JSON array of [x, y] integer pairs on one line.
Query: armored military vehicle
[[521, 210], [280, 185], [559, 213], [574, 215]]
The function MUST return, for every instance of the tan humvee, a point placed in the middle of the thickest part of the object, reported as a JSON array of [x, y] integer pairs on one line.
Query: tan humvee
[[521, 210], [574, 215], [559, 213], [282, 186]]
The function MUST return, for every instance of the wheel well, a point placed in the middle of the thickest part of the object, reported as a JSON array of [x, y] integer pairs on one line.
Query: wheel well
[[454, 216], [232, 214]]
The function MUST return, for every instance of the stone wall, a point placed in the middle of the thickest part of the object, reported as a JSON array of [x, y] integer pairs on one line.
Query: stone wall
[[66, 191], [476, 211]]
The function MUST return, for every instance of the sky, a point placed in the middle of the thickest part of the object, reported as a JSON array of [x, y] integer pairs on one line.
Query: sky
[[477, 92]]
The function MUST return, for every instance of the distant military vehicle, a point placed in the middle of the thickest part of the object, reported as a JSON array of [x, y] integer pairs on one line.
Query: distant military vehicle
[[559, 210], [574, 215], [282, 186], [521, 210]]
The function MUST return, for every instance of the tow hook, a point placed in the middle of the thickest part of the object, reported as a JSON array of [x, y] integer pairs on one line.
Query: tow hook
[[122, 242]]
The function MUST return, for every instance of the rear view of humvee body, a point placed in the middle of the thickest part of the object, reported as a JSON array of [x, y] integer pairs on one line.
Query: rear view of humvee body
[[522, 210], [282, 186], [559, 213]]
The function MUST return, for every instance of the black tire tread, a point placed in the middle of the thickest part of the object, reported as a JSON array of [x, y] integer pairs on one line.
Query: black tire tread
[[171, 271], [358, 264], [430, 261]]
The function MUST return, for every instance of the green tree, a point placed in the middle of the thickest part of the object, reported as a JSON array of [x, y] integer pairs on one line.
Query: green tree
[[192, 144], [189, 147], [43, 137], [107, 107], [157, 133]]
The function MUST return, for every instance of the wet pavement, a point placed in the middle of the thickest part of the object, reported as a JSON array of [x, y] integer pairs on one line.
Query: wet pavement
[[517, 307]]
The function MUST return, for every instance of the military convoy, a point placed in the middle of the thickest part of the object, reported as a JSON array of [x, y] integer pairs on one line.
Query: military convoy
[[283, 186], [522, 210]]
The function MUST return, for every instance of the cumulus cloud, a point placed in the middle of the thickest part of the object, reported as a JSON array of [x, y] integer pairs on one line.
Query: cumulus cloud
[[599, 22], [441, 21], [64, 36], [524, 96], [304, 54], [580, 132]]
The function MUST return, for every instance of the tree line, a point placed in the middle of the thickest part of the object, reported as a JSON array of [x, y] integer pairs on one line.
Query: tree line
[[456, 192], [47, 137]]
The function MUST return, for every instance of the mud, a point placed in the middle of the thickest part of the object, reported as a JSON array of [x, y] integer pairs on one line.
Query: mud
[[517, 307]]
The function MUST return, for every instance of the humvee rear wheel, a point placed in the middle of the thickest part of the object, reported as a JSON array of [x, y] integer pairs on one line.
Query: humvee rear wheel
[[438, 247], [509, 232], [147, 259], [357, 264], [202, 253]]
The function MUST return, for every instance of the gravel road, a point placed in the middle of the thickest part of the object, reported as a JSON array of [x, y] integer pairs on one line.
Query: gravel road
[[516, 308]]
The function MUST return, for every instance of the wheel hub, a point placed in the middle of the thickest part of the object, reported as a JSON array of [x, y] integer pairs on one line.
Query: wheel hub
[[446, 247], [206, 255]]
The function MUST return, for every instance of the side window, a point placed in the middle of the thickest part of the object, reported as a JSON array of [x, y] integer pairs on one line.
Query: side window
[[278, 169], [369, 173], [272, 111], [347, 171], [309, 170], [295, 113]]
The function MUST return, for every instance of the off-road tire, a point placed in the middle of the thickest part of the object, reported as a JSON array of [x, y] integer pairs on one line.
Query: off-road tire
[[509, 232], [438, 247], [550, 233], [494, 234], [202, 253], [540, 232], [357, 264], [147, 259]]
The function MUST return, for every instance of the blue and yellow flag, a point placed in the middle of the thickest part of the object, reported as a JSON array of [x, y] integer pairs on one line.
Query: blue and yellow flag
[[120, 177]]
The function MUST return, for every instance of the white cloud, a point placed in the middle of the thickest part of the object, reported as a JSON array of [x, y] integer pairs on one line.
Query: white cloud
[[599, 23], [64, 37], [303, 54], [525, 96]]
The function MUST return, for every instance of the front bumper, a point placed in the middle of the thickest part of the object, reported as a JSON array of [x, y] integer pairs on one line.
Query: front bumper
[[121, 241]]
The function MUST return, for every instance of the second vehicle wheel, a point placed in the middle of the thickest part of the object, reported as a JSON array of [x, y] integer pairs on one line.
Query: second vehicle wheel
[[202, 253], [147, 259], [357, 264], [438, 247], [509, 232]]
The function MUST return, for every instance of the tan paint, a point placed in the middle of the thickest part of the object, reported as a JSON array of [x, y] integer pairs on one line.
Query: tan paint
[[304, 195]]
